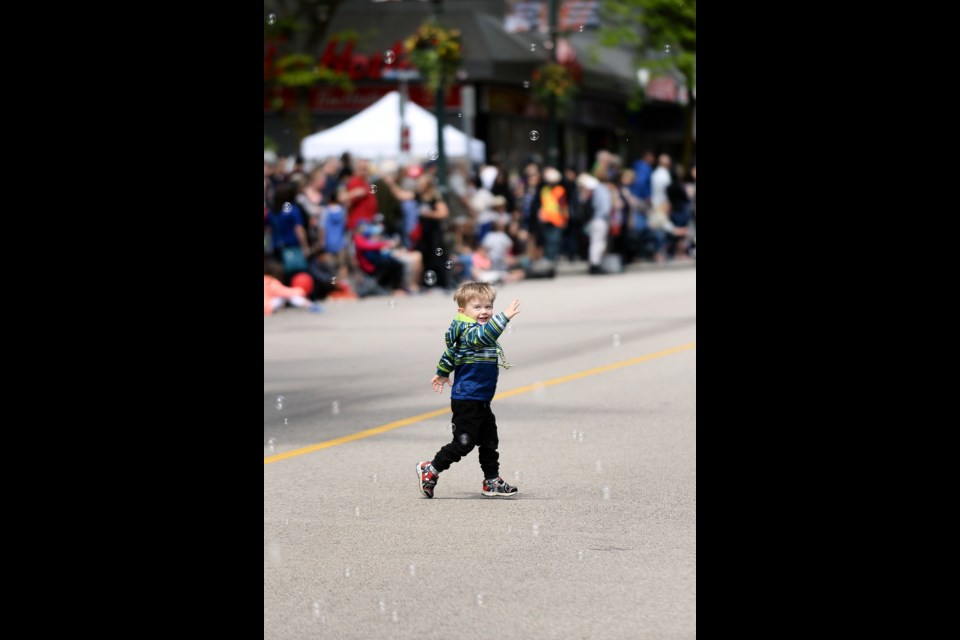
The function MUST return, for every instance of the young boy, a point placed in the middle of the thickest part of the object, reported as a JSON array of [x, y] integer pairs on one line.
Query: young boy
[[472, 353]]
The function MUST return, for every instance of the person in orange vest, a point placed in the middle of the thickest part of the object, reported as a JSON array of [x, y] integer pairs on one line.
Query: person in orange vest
[[554, 213]]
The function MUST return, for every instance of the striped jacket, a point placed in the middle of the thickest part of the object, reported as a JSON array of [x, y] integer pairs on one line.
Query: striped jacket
[[472, 352]]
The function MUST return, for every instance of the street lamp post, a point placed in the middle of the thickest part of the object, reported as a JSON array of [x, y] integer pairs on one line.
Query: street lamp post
[[553, 154], [439, 104]]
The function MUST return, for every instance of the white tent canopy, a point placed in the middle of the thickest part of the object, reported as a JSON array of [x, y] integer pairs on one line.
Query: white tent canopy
[[374, 133]]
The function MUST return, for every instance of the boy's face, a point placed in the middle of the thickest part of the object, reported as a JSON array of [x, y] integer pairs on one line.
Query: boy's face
[[480, 309]]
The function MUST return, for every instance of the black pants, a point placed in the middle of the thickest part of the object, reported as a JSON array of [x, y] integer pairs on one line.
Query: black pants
[[473, 425]]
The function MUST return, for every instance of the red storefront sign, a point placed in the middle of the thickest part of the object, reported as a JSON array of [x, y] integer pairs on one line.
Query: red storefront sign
[[663, 88], [360, 66], [380, 66]]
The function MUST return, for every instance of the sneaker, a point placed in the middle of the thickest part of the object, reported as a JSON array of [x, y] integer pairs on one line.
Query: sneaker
[[315, 308], [426, 479], [498, 489]]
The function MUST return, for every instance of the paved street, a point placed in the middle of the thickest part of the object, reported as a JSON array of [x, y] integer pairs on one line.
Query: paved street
[[601, 541]]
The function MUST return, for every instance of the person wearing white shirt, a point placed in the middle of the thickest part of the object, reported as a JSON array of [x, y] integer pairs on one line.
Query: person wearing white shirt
[[659, 181], [597, 193]]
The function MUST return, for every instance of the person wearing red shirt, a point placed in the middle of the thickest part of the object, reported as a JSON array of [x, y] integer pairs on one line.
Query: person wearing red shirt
[[361, 204]]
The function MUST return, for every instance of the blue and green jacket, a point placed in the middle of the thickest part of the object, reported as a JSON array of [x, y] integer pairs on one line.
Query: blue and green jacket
[[472, 353]]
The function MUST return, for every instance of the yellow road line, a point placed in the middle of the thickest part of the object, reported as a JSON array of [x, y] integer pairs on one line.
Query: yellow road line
[[506, 394]]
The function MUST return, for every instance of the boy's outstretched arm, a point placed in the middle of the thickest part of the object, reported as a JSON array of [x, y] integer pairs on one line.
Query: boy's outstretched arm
[[487, 334], [513, 309], [439, 381], [448, 359]]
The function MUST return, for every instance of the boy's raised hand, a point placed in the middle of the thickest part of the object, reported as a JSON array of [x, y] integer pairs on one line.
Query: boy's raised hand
[[513, 309], [438, 382]]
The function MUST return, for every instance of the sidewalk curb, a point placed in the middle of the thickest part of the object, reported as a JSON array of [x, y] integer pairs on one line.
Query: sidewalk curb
[[582, 268]]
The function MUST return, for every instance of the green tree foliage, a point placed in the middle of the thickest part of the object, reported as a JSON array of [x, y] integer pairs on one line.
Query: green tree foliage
[[664, 34], [293, 31]]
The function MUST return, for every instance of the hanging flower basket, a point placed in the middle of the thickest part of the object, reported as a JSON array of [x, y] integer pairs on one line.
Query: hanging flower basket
[[555, 81], [436, 52]]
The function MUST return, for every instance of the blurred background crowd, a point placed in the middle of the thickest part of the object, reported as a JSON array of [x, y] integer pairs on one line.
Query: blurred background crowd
[[569, 137]]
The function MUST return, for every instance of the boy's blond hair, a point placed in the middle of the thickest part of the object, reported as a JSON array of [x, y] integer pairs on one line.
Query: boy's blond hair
[[470, 290]]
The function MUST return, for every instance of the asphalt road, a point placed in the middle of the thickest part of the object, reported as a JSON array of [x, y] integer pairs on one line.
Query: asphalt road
[[601, 541]]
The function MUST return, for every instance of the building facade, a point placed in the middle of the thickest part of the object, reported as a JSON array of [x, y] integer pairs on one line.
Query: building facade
[[504, 43]]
